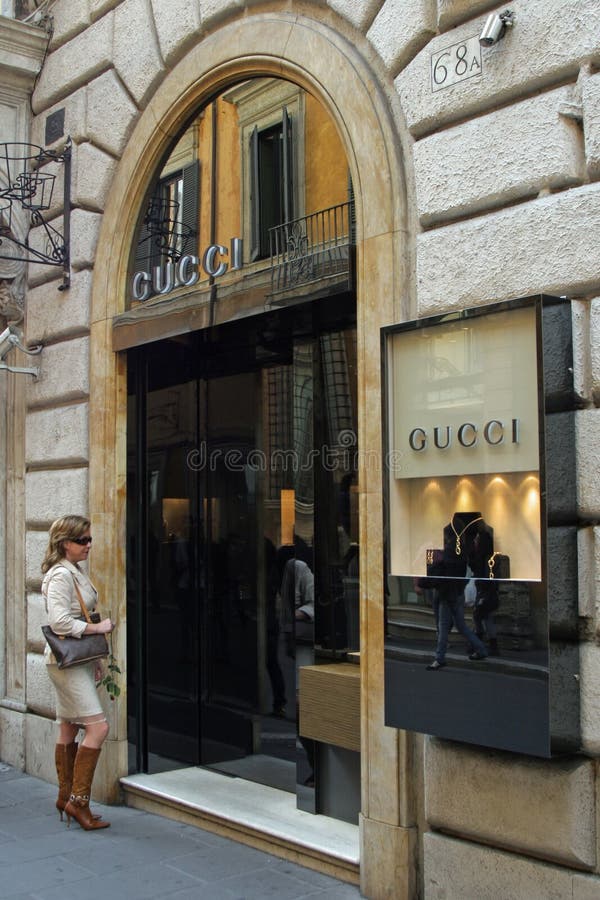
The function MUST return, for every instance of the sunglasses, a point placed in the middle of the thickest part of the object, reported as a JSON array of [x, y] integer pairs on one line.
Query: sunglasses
[[81, 541]]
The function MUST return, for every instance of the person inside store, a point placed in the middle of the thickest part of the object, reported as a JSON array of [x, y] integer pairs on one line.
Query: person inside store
[[77, 701]]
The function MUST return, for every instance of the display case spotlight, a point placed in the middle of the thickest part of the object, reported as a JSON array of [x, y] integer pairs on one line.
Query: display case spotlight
[[495, 27]]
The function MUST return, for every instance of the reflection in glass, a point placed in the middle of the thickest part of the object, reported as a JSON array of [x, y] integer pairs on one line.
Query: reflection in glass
[[466, 625]]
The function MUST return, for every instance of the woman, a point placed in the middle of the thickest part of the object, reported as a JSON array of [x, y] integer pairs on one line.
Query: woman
[[77, 702]]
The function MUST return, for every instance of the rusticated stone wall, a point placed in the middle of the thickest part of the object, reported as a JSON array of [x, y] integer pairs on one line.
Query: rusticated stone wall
[[500, 198]]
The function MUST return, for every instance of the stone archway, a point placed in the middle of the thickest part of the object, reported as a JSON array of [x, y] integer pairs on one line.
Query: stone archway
[[331, 68]]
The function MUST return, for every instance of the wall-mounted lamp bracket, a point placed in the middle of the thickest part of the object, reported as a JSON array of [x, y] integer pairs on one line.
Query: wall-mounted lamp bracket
[[11, 338], [25, 185], [19, 370]]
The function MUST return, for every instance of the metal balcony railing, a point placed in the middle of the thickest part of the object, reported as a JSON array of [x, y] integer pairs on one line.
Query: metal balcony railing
[[312, 247]]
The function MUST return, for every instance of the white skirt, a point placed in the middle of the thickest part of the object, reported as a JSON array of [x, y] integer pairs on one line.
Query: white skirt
[[77, 699]]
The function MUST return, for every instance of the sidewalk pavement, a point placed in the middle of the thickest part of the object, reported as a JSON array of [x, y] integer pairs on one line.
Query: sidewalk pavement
[[140, 855]]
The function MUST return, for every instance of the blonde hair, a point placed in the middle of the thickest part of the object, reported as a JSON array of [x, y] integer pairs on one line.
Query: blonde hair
[[64, 529]]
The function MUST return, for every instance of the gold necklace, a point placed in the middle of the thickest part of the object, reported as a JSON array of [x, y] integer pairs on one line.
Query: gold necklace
[[492, 563], [459, 535]]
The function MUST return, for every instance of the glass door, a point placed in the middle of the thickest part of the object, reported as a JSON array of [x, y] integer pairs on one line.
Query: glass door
[[242, 544], [164, 591]]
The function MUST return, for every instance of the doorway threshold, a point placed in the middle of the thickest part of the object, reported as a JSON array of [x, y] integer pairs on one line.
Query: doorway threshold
[[262, 817]]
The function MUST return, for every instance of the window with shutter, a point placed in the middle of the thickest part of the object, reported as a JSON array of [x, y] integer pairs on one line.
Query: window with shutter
[[271, 116], [169, 227], [271, 180]]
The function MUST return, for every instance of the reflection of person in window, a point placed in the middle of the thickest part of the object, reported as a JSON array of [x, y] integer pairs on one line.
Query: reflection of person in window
[[486, 604], [458, 545], [272, 630], [298, 602]]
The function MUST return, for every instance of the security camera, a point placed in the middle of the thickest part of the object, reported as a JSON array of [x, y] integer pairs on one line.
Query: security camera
[[495, 27], [8, 340]]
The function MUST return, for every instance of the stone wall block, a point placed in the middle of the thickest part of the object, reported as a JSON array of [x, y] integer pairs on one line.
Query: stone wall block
[[562, 582], [582, 351], [586, 887], [36, 543], [137, 58], [539, 808], [588, 462], [111, 113], [459, 870], [51, 314], [561, 476], [588, 551], [177, 25], [40, 737], [400, 29], [532, 55], [12, 743], [595, 349], [509, 154], [565, 702], [558, 356], [394, 848], [93, 171], [99, 8], [40, 692], [453, 12], [360, 13], [69, 17], [53, 493], [74, 64], [75, 106], [589, 664], [64, 374], [591, 123], [85, 226], [58, 436], [213, 11], [36, 617], [562, 228]]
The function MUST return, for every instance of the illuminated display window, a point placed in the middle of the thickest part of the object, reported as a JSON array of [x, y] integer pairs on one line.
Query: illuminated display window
[[466, 586]]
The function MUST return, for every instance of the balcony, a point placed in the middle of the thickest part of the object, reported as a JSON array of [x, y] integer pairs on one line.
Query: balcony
[[314, 248]]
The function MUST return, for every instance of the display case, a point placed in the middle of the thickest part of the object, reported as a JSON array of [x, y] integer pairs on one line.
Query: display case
[[467, 639]]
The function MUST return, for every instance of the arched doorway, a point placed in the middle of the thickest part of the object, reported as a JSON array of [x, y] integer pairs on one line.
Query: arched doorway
[[242, 495], [331, 68]]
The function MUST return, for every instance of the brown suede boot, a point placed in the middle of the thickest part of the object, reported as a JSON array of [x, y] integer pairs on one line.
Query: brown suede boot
[[78, 806], [64, 757]]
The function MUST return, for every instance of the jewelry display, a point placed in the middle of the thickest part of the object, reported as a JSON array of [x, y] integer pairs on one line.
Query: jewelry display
[[499, 566], [458, 535]]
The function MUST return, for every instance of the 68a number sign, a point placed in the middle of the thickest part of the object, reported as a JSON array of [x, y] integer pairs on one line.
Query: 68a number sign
[[455, 63]]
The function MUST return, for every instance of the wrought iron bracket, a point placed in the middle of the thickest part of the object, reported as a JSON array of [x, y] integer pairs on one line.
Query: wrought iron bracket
[[30, 188]]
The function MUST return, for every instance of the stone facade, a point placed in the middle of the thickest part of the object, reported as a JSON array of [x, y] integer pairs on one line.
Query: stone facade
[[486, 190]]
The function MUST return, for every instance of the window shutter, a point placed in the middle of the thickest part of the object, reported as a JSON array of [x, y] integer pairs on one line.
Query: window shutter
[[254, 197], [191, 207], [143, 251], [288, 168]]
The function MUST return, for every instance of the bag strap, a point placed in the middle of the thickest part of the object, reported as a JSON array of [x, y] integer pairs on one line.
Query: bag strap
[[84, 609]]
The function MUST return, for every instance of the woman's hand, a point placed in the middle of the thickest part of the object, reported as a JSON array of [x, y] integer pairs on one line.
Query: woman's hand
[[98, 672], [105, 626]]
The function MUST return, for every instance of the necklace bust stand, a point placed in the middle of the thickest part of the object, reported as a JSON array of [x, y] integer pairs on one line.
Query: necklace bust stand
[[467, 539]]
